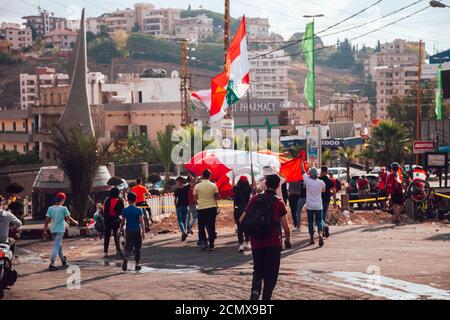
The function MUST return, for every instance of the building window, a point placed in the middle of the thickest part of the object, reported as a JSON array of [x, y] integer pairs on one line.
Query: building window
[[48, 155], [15, 148], [14, 126], [140, 96]]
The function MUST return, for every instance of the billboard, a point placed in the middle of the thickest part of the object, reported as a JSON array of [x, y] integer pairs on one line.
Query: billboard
[[313, 146], [422, 147]]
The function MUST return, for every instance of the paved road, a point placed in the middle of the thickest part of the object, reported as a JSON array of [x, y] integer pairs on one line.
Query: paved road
[[412, 262]]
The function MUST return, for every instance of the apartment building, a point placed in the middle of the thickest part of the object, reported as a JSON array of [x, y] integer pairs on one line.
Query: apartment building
[[258, 29], [119, 20], [61, 39], [270, 76], [19, 38], [196, 29], [44, 22], [15, 131]]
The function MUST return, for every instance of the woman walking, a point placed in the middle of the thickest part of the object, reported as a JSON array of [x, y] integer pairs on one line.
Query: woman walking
[[242, 192]]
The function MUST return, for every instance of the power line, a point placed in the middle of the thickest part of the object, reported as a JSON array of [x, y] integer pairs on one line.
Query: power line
[[314, 36]]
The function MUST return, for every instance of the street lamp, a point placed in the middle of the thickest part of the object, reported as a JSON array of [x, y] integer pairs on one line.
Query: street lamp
[[314, 46], [438, 4]]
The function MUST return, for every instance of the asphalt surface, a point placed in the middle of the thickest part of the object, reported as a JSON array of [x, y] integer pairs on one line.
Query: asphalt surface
[[357, 262]]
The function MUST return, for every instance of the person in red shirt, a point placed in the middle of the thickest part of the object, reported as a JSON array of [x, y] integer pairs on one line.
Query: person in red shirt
[[141, 195], [382, 177], [395, 190], [266, 251], [363, 186], [113, 207]]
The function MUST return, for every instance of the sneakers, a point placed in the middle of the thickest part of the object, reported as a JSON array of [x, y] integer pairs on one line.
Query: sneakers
[[248, 246], [124, 265], [311, 242], [241, 248], [326, 231], [106, 256], [183, 237], [254, 296], [211, 248], [137, 268], [321, 241], [52, 268], [204, 246]]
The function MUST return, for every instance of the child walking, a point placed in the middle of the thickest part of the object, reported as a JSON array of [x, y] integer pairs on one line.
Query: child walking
[[135, 231], [57, 215]]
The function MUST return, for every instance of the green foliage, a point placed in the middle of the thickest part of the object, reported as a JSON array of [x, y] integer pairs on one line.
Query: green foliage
[[389, 142], [136, 28], [79, 157], [9, 59], [163, 151], [344, 57], [103, 50], [132, 149], [403, 108], [217, 18], [12, 158]]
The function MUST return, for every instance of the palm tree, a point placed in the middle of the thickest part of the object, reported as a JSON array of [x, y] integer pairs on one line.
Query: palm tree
[[328, 156], [164, 149], [389, 143], [80, 157], [350, 155]]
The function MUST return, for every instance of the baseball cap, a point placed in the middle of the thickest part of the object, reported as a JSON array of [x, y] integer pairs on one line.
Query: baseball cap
[[60, 196]]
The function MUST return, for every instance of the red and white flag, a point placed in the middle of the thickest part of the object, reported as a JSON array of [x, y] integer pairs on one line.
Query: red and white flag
[[419, 174], [232, 84]]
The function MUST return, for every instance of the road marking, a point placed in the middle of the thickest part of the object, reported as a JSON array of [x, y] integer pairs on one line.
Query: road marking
[[388, 288]]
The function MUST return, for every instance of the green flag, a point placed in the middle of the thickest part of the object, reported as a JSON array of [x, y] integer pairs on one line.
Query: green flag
[[308, 50], [438, 109]]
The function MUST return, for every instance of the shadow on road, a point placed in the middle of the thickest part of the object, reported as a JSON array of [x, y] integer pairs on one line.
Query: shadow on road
[[439, 237]]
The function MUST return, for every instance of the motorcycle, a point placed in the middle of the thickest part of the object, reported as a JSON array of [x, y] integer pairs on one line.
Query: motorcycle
[[8, 275]]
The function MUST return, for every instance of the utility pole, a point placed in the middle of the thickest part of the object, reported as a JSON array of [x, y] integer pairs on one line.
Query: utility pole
[[418, 111], [185, 84], [226, 45]]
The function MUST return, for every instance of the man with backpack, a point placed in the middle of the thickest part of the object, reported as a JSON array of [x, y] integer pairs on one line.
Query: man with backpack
[[264, 215], [113, 207]]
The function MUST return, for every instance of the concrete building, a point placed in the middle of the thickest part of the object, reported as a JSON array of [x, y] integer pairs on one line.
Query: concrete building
[[5, 46], [19, 38], [195, 29], [156, 21], [140, 11], [132, 89], [94, 25], [31, 84], [61, 39], [44, 22], [270, 76], [15, 131], [399, 52], [258, 29], [120, 20]]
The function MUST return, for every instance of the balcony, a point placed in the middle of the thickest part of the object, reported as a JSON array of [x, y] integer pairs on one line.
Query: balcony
[[11, 136]]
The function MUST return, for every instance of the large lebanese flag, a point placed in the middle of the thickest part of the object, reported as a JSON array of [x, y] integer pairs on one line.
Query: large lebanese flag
[[232, 84]]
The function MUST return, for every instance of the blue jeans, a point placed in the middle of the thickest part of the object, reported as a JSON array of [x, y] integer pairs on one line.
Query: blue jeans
[[314, 215], [300, 204], [325, 205], [182, 213], [57, 247], [192, 214]]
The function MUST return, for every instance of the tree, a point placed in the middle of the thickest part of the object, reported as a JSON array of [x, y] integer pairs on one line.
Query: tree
[[350, 155], [343, 58], [103, 50], [11, 158], [80, 157], [136, 28], [328, 156], [163, 151], [120, 38], [38, 46], [90, 37], [378, 47], [389, 142], [132, 150]]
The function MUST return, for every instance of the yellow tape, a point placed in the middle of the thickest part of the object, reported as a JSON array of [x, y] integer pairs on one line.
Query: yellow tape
[[442, 195], [367, 200]]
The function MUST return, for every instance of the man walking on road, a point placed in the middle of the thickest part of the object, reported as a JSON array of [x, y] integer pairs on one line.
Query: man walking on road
[[181, 200], [266, 245], [206, 194], [326, 198], [294, 191], [314, 204]]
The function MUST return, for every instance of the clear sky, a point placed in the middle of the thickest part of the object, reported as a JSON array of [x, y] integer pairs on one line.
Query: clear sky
[[286, 16]]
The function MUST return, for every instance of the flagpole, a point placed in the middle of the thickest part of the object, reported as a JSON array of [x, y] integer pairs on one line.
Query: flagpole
[[250, 138]]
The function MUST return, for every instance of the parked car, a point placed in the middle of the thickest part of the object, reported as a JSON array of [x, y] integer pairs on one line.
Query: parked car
[[339, 173]]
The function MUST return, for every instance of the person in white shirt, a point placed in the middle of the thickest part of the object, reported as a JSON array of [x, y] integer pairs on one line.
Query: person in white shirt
[[314, 206]]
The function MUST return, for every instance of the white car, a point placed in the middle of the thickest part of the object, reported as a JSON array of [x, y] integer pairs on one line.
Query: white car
[[339, 173]]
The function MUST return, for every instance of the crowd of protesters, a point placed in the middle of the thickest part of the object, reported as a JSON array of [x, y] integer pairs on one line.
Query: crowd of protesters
[[260, 214]]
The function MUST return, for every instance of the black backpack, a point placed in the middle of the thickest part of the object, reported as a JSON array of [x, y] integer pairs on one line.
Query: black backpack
[[258, 221]]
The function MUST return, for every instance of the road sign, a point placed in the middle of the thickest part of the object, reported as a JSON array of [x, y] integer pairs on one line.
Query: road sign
[[313, 146], [422, 147]]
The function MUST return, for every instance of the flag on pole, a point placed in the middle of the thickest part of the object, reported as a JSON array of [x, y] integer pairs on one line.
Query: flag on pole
[[232, 84], [308, 51], [419, 174], [438, 109]]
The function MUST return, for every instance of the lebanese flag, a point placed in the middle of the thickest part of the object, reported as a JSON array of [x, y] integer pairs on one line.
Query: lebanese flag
[[419, 174], [291, 170], [204, 96], [232, 84]]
